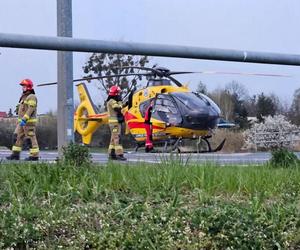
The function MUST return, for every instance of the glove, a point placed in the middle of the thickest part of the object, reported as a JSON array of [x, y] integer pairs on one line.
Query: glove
[[22, 123], [120, 118]]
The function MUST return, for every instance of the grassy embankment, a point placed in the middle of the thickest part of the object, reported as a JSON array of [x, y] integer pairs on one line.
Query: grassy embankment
[[163, 206]]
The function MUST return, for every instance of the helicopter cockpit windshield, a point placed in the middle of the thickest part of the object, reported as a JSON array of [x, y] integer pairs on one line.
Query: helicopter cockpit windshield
[[186, 108], [198, 110], [197, 102], [211, 102]]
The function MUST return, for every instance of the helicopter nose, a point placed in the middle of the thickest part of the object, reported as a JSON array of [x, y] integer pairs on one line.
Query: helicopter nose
[[213, 117], [214, 113]]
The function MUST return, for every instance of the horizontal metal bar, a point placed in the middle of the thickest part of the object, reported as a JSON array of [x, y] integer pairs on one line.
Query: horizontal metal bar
[[296, 132], [277, 133], [275, 142], [86, 45]]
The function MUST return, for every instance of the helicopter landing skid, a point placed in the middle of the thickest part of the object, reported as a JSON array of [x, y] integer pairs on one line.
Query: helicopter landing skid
[[210, 150], [168, 146], [174, 146]]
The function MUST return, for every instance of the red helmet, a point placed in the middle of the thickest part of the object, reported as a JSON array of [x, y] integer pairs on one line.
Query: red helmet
[[114, 90], [27, 83]]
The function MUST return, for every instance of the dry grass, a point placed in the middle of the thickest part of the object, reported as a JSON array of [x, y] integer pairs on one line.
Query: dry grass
[[234, 140], [297, 147]]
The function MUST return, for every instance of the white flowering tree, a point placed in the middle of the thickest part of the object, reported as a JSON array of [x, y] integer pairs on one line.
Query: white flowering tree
[[274, 132]]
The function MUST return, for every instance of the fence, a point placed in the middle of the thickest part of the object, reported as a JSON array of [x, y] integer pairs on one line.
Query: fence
[[276, 138]]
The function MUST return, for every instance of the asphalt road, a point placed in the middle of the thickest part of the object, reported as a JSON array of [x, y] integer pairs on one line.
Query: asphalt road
[[217, 158]]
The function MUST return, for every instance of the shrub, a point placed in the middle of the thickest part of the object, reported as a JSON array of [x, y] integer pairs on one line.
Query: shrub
[[77, 155], [282, 157], [274, 132]]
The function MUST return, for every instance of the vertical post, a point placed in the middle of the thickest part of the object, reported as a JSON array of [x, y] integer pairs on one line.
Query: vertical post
[[255, 140], [65, 106]]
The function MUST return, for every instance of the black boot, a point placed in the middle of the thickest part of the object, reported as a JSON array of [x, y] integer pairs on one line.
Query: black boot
[[13, 156], [32, 158], [112, 155], [151, 150], [121, 158]]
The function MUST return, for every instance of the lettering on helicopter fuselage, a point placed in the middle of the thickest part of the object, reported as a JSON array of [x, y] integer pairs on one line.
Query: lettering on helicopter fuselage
[[158, 134]]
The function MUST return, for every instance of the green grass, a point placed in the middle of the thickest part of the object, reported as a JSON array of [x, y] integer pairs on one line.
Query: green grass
[[165, 206]]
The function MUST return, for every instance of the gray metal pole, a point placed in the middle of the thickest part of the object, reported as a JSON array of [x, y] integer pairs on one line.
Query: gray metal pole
[[65, 108], [85, 45]]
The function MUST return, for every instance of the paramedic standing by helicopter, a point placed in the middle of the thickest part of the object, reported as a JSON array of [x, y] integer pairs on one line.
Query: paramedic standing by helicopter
[[115, 119]]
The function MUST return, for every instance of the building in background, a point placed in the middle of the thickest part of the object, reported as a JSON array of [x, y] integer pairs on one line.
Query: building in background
[[3, 114]]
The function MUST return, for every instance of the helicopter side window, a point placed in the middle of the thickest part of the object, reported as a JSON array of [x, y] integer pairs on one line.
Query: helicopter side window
[[144, 105], [159, 102], [165, 105], [166, 110], [161, 108]]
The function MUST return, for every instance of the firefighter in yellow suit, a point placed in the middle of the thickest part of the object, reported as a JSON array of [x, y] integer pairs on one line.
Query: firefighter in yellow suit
[[115, 119], [26, 127]]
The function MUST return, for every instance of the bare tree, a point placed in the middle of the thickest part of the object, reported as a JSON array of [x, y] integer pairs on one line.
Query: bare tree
[[105, 64], [201, 88], [224, 101], [237, 89], [294, 113]]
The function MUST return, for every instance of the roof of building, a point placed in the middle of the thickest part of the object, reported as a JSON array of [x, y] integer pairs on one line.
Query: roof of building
[[3, 114]]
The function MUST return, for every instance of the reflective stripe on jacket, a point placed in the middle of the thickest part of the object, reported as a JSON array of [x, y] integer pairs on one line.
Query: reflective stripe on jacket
[[112, 113], [28, 108]]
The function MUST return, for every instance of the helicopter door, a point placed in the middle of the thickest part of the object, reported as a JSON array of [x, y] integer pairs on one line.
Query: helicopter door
[[166, 110]]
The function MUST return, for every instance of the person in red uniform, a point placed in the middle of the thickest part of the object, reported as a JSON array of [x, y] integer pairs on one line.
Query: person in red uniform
[[148, 127]]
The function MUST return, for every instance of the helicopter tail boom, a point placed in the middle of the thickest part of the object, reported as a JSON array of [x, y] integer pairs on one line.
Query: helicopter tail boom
[[86, 119]]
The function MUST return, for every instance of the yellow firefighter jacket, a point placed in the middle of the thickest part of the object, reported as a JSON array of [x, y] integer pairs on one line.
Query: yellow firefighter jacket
[[112, 113], [27, 109]]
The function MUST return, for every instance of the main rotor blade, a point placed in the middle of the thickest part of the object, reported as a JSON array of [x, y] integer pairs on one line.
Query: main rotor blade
[[226, 73], [239, 73], [96, 77], [179, 72], [160, 72], [165, 72]]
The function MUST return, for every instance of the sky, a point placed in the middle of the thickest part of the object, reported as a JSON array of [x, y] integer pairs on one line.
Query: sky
[[252, 25]]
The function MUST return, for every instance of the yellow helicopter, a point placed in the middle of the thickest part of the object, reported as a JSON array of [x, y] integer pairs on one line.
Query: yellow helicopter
[[178, 113]]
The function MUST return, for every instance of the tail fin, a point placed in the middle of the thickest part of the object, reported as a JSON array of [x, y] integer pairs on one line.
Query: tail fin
[[86, 120]]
